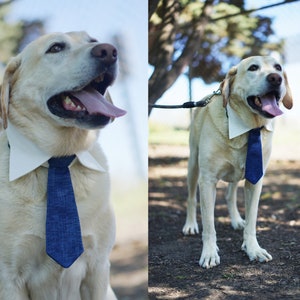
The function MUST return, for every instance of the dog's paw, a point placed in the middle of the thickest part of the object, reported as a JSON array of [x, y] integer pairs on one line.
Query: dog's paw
[[255, 252], [190, 228], [238, 223], [209, 258]]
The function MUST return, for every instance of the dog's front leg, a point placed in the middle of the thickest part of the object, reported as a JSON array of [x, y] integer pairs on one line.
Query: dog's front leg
[[250, 244], [209, 256], [96, 285]]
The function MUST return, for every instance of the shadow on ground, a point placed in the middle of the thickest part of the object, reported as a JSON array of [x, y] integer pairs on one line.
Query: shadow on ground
[[174, 272]]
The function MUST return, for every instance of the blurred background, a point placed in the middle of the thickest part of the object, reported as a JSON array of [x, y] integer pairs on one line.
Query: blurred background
[[123, 24], [192, 44]]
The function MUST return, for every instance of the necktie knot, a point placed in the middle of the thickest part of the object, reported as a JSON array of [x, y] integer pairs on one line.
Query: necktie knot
[[255, 131], [61, 162]]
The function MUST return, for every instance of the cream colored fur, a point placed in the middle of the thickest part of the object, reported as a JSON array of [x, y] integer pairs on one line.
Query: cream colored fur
[[26, 272], [214, 157]]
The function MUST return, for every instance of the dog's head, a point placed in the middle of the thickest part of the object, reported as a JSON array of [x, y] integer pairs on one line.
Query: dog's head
[[261, 83], [62, 77]]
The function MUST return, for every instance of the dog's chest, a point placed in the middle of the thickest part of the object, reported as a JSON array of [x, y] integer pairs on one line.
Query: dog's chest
[[23, 213], [234, 165], [30, 195], [233, 160]]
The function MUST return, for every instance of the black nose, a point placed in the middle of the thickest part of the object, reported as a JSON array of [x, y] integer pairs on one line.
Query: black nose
[[274, 79], [106, 53]]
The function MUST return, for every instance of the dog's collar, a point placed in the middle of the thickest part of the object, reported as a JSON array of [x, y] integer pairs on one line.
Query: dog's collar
[[25, 156], [237, 127]]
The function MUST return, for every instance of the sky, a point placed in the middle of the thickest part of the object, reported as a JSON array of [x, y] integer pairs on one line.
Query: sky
[[285, 16], [285, 24], [125, 140]]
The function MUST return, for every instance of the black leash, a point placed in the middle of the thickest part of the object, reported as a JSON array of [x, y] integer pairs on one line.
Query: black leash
[[190, 104]]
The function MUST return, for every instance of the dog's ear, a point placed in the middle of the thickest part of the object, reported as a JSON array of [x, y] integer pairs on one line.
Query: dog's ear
[[287, 99], [10, 70], [226, 85]]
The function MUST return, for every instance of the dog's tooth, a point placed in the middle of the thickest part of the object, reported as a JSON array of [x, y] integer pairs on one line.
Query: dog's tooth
[[78, 108], [257, 102], [67, 100]]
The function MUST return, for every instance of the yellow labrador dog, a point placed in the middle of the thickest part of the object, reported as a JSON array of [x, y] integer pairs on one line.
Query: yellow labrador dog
[[53, 105], [250, 97]]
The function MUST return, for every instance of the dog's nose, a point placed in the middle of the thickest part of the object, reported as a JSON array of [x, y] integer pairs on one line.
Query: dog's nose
[[106, 53], [274, 79]]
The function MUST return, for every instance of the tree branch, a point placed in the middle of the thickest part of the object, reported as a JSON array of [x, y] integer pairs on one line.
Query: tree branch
[[164, 77], [152, 6]]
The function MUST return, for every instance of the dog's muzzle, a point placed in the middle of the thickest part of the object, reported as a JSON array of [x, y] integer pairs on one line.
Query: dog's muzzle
[[88, 104], [267, 104]]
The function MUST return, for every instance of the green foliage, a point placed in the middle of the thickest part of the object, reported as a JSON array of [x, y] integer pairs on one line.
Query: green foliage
[[15, 35], [199, 37], [10, 35], [229, 39]]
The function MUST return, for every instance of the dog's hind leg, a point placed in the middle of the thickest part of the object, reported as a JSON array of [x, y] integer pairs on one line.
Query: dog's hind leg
[[231, 197], [191, 225]]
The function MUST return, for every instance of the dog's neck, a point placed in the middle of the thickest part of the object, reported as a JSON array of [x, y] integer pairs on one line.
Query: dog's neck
[[60, 141], [252, 120]]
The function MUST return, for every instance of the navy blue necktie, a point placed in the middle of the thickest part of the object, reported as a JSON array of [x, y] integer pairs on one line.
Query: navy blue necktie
[[254, 163], [63, 234]]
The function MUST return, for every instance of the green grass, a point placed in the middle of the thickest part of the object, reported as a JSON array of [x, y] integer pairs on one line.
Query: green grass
[[165, 134]]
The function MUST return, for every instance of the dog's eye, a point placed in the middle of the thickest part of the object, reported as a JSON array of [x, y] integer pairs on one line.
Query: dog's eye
[[55, 48], [278, 67], [253, 68]]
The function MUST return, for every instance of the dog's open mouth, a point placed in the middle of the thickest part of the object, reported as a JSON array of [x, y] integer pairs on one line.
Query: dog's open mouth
[[267, 105], [87, 103]]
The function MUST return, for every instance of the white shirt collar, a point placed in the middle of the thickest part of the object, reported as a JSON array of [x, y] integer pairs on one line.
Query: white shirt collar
[[237, 126], [25, 156]]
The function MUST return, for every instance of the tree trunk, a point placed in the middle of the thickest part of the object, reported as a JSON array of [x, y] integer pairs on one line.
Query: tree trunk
[[167, 72]]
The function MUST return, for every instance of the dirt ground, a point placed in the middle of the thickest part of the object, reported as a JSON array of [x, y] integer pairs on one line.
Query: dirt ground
[[129, 271], [174, 272], [129, 258]]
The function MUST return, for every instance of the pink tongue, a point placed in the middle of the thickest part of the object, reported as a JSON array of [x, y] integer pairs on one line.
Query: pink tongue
[[95, 103], [269, 105]]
